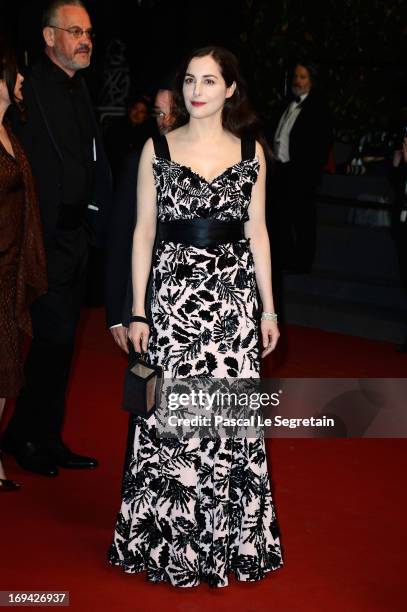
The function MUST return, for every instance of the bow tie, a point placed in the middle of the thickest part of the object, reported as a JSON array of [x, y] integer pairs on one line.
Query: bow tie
[[297, 99]]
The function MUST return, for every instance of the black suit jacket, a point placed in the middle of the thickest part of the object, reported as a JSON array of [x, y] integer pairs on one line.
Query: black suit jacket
[[310, 136], [119, 286], [45, 156], [118, 265]]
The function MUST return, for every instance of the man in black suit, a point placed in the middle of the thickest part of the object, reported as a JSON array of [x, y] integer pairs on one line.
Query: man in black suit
[[119, 296], [398, 177], [119, 288], [63, 143], [301, 143]]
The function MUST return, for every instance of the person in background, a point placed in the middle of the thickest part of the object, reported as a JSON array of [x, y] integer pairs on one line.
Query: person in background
[[128, 133], [301, 143], [123, 219], [62, 141], [399, 217], [22, 257]]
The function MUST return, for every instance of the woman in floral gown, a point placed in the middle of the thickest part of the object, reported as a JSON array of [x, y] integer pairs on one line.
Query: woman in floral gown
[[194, 509]]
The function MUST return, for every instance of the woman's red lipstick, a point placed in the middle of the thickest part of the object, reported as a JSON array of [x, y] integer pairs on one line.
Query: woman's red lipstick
[[198, 103]]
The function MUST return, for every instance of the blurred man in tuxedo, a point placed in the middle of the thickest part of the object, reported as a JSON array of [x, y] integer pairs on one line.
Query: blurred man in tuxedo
[[62, 141], [118, 274], [301, 143]]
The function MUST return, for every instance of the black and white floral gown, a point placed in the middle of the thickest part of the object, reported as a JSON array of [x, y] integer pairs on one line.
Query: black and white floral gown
[[195, 510]]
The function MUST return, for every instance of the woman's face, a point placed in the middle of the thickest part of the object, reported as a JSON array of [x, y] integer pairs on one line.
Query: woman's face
[[204, 88], [4, 97], [138, 113], [18, 94]]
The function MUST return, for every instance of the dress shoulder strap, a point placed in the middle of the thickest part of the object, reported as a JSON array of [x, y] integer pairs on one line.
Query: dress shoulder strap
[[248, 145], [161, 148]]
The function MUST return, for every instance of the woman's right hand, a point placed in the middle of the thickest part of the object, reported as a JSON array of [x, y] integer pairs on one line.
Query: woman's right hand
[[138, 336]]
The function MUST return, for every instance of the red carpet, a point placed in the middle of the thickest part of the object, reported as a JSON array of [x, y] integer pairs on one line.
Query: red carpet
[[340, 503]]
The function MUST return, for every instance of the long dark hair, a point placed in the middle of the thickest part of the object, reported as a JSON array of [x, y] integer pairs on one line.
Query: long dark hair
[[8, 68], [237, 115]]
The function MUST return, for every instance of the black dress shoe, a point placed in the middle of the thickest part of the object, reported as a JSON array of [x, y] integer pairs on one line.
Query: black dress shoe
[[31, 457], [65, 458], [6, 486]]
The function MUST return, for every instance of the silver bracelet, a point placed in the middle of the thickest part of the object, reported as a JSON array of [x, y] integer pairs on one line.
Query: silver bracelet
[[269, 316]]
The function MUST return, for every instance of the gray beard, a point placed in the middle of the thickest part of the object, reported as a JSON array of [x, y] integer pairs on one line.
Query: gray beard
[[70, 64], [296, 91]]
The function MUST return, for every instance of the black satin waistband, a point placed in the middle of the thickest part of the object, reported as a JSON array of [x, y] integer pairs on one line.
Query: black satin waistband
[[201, 233]]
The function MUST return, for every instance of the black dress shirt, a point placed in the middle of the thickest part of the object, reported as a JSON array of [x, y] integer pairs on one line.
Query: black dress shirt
[[71, 122]]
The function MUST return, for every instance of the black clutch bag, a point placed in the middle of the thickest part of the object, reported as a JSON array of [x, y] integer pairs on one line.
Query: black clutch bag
[[142, 385]]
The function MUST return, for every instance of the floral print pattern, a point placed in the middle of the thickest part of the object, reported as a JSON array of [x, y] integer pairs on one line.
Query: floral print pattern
[[194, 510]]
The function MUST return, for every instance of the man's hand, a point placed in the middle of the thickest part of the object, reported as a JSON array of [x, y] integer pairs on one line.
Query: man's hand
[[119, 334]]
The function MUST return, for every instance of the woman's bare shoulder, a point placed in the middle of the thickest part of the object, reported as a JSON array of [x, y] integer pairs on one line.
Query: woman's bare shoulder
[[260, 152], [147, 153], [148, 148]]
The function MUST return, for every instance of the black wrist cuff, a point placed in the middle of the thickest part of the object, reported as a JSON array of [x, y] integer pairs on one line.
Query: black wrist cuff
[[137, 319]]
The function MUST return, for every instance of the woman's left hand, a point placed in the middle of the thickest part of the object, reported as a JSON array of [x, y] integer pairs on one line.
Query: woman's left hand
[[270, 336]]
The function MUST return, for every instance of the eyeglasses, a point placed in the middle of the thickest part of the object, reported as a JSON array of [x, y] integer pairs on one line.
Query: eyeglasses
[[76, 31], [158, 114]]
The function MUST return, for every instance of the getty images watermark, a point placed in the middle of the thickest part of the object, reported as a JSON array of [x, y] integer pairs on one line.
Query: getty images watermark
[[246, 410], [199, 407]]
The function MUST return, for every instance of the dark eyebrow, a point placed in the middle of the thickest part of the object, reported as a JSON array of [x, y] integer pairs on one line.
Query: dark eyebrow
[[205, 76]]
